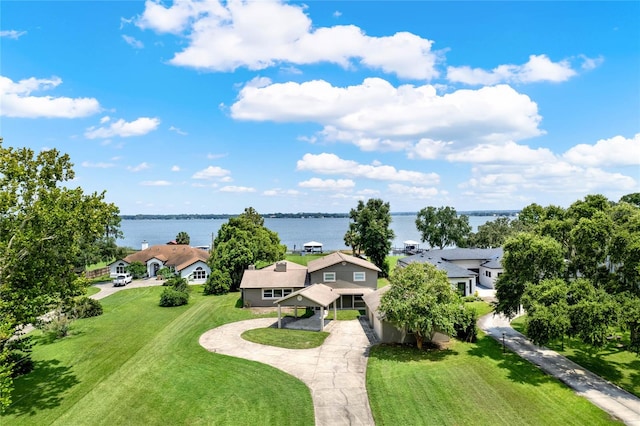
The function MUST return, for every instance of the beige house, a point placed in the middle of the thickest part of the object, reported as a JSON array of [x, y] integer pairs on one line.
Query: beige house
[[348, 276], [187, 262]]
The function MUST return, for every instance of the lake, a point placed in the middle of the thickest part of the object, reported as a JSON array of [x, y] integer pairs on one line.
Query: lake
[[293, 232]]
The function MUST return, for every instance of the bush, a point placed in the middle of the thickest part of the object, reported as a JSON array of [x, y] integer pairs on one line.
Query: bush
[[172, 297], [58, 325], [218, 283], [179, 284], [465, 326], [84, 307], [18, 355]]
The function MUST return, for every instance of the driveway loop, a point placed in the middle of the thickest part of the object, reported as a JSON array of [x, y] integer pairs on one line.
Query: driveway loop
[[612, 399], [334, 372]]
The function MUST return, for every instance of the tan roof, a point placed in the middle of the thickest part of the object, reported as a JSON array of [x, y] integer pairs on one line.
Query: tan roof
[[339, 257], [372, 300], [317, 293], [353, 290], [268, 277], [178, 256]]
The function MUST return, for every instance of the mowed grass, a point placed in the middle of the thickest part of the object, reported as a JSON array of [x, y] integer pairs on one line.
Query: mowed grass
[[139, 364], [612, 362], [469, 384], [285, 338]]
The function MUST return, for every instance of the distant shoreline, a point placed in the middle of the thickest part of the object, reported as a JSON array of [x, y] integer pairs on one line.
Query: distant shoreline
[[497, 213]]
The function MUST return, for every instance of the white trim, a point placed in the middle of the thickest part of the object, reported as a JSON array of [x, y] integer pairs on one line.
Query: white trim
[[329, 277], [359, 273], [283, 292]]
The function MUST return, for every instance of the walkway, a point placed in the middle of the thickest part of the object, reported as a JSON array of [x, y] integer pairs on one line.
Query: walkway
[[334, 372], [610, 398]]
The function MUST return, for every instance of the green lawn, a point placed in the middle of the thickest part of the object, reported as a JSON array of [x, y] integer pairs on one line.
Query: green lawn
[[284, 338], [139, 363], [347, 314], [469, 384], [92, 290], [613, 363]]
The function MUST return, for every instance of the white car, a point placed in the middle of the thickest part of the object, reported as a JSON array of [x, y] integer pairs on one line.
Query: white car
[[122, 279]]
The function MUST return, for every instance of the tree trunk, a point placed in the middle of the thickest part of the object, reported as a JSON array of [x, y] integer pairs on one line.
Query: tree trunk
[[419, 341]]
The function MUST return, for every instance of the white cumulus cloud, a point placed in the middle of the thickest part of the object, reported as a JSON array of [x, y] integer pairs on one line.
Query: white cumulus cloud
[[124, 129], [332, 164], [155, 183], [99, 165], [237, 189], [133, 42], [375, 115], [211, 172], [260, 34], [318, 184], [18, 101], [616, 151], [538, 68], [140, 167]]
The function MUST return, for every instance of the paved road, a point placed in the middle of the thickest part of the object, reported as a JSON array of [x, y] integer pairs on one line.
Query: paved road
[[610, 398], [334, 372]]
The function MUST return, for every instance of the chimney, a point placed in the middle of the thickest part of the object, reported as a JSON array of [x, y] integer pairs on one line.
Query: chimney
[[145, 245], [281, 267]]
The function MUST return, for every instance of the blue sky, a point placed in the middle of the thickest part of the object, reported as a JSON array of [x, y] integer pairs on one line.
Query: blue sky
[[208, 107]]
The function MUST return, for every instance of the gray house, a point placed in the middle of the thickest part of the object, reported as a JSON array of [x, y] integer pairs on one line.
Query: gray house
[[465, 267], [348, 276]]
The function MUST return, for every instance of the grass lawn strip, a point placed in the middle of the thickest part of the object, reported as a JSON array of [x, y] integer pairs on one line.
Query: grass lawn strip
[[617, 365], [469, 384], [140, 363], [285, 338]]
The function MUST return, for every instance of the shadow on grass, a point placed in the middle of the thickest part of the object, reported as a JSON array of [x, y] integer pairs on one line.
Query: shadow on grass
[[409, 353], [42, 389], [518, 369]]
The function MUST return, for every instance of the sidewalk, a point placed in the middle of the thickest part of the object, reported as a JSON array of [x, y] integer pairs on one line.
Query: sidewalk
[[609, 397]]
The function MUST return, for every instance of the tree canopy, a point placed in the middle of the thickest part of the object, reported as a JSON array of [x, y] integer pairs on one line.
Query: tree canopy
[[45, 230], [244, 241], [442, 227], [421, 300], [183, 238], [591, 252], [369, 231]]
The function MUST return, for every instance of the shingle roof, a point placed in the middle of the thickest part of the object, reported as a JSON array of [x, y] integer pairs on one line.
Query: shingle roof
[[178, 256], [339, 257], [267, 277], [452, 270], [318, 293], [372, 300], [467, 253]]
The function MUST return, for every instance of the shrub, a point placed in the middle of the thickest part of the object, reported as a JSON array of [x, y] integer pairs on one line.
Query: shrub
[[18, 355], [218, 283], [172, 297], [84, 307], [465, 326], [179, 284], [57, 325]]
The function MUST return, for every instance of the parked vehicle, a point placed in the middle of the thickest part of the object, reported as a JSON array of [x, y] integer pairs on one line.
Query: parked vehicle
[[122, 279]]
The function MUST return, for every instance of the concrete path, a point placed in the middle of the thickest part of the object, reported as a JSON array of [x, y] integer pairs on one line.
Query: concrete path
[[609, 397], [334, 372]]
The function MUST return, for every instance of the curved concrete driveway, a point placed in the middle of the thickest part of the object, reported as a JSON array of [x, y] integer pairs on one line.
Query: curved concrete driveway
[[609, 397], [334, 372]]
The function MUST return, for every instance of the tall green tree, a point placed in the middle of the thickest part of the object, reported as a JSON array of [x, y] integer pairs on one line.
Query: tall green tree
[[370, 231], [183, 238], [420, 300], [243, 241], [492, 234], [528, 258], [442, 227], [45, 227], [547, 311]]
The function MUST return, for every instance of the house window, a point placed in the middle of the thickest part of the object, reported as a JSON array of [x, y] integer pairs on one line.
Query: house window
[[489, 274], [199, 274], [329, 277], [120, 268], [499, 273], [359, 276], [275, 293], [461, 286]]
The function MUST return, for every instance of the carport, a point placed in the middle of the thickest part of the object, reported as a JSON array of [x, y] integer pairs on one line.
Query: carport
[[314, 296]]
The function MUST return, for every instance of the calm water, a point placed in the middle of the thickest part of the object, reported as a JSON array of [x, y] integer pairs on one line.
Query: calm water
[[292, 232]]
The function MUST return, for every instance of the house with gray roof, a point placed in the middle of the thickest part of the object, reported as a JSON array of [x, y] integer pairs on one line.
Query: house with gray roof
[[349, 277], [465, 267]]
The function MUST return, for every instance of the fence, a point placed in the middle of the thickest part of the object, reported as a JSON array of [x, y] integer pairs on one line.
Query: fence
[[97, 272]]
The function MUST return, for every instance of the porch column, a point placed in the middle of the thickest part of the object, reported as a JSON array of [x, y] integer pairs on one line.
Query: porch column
[[295, 310], [335, 310], [279, 317], [321, 318]]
